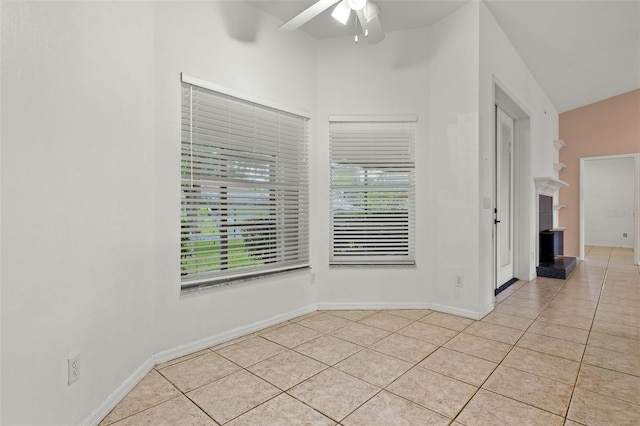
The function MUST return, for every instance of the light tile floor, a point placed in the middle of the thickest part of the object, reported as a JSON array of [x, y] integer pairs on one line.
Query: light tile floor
[[552, 352]]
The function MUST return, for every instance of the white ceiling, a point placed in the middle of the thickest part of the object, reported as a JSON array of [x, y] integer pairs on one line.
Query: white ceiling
[[580, 51]]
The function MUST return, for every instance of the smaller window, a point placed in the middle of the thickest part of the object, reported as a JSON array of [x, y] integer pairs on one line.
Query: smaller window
[[372, 190]]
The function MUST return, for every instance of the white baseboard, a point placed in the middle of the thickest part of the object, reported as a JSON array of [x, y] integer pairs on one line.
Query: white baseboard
[[369, 306], [466, 313], [118, 395], [217, 339]]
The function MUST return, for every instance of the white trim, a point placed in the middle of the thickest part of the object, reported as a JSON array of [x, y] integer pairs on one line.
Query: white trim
[[466, 313], [118, 395], [241, 95], [548, 186], [368, 118], [370, 306], [207, 342], [636, 191]]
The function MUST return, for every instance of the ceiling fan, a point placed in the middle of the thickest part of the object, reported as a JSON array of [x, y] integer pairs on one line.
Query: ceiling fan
[[366, 12]]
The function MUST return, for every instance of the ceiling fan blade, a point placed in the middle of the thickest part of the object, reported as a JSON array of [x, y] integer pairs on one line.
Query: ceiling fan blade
[[307, 14], [373, 27]]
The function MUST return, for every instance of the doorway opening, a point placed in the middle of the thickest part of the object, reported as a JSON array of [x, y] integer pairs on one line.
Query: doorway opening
[[609, 188], [512, 192]]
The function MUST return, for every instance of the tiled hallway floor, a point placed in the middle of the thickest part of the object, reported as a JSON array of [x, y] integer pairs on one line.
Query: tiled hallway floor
[[553, 352]]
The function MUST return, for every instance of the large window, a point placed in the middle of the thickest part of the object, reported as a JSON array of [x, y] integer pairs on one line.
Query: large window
[[372, 190], [244, 186]]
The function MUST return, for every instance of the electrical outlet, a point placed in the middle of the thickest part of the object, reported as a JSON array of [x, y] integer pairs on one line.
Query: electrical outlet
[[73, 365], [459, 282], [624, 235], [313, 278]]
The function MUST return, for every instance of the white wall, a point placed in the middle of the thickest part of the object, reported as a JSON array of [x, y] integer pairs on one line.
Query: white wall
[[91, 116], [608, 201], [500, 64], [90, 180], [431, 72], [451, 222], [385, 78], [78, 232], [232, 45]]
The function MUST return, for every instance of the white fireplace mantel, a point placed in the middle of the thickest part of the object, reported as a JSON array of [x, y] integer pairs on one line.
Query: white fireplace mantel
[[548, 185]]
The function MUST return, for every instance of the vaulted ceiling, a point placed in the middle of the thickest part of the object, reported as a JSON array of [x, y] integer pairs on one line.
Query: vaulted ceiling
[[580, 51]]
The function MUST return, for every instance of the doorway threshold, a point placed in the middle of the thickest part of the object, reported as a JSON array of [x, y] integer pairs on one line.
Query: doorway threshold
[[504, 286]]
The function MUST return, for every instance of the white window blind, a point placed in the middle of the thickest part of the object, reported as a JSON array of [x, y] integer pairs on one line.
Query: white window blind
[[244, 186], [372, 191]]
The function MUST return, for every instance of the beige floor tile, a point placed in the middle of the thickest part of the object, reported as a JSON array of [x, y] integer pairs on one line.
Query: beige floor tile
[[291, 335], [577, 335], [386, 321], [374, 367], [427, 332], [198, 371], [182, 358], [387, 409], [494, 332], [536, 304], [283, 410], [463, 367], [334, 393], [530, 389], [565, 319], [611, 383], [615, 343], [505, 320], [250, 351], [177, 411], [360, 334], [328, 350], [324, 322], [152, 390], [590, 408], [351, 315], [305, 316], [287, 369], [544, 365], [618, 317], [233, 395], [414, 314], [517, 311], [479, 347], [447, 321], [490, 409], [434, 391], [614, 329], [552, 346], [612, 360], [405, 348]]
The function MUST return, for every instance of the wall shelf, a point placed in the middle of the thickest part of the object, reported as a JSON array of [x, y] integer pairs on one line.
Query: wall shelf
[[559, 166], [559, 144]]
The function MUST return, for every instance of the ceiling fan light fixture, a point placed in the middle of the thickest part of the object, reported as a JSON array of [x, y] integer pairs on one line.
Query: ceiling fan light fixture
[[341, 12], [357, 4]]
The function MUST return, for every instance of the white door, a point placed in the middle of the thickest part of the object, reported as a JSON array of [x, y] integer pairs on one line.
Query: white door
[[504, 198]]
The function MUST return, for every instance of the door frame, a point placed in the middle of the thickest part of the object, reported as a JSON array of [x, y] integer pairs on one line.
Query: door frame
[[524, 238], [499, 280], [636, 196]]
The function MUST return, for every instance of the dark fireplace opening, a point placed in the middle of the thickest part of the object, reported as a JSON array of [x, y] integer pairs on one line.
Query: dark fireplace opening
[[551, 243]]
